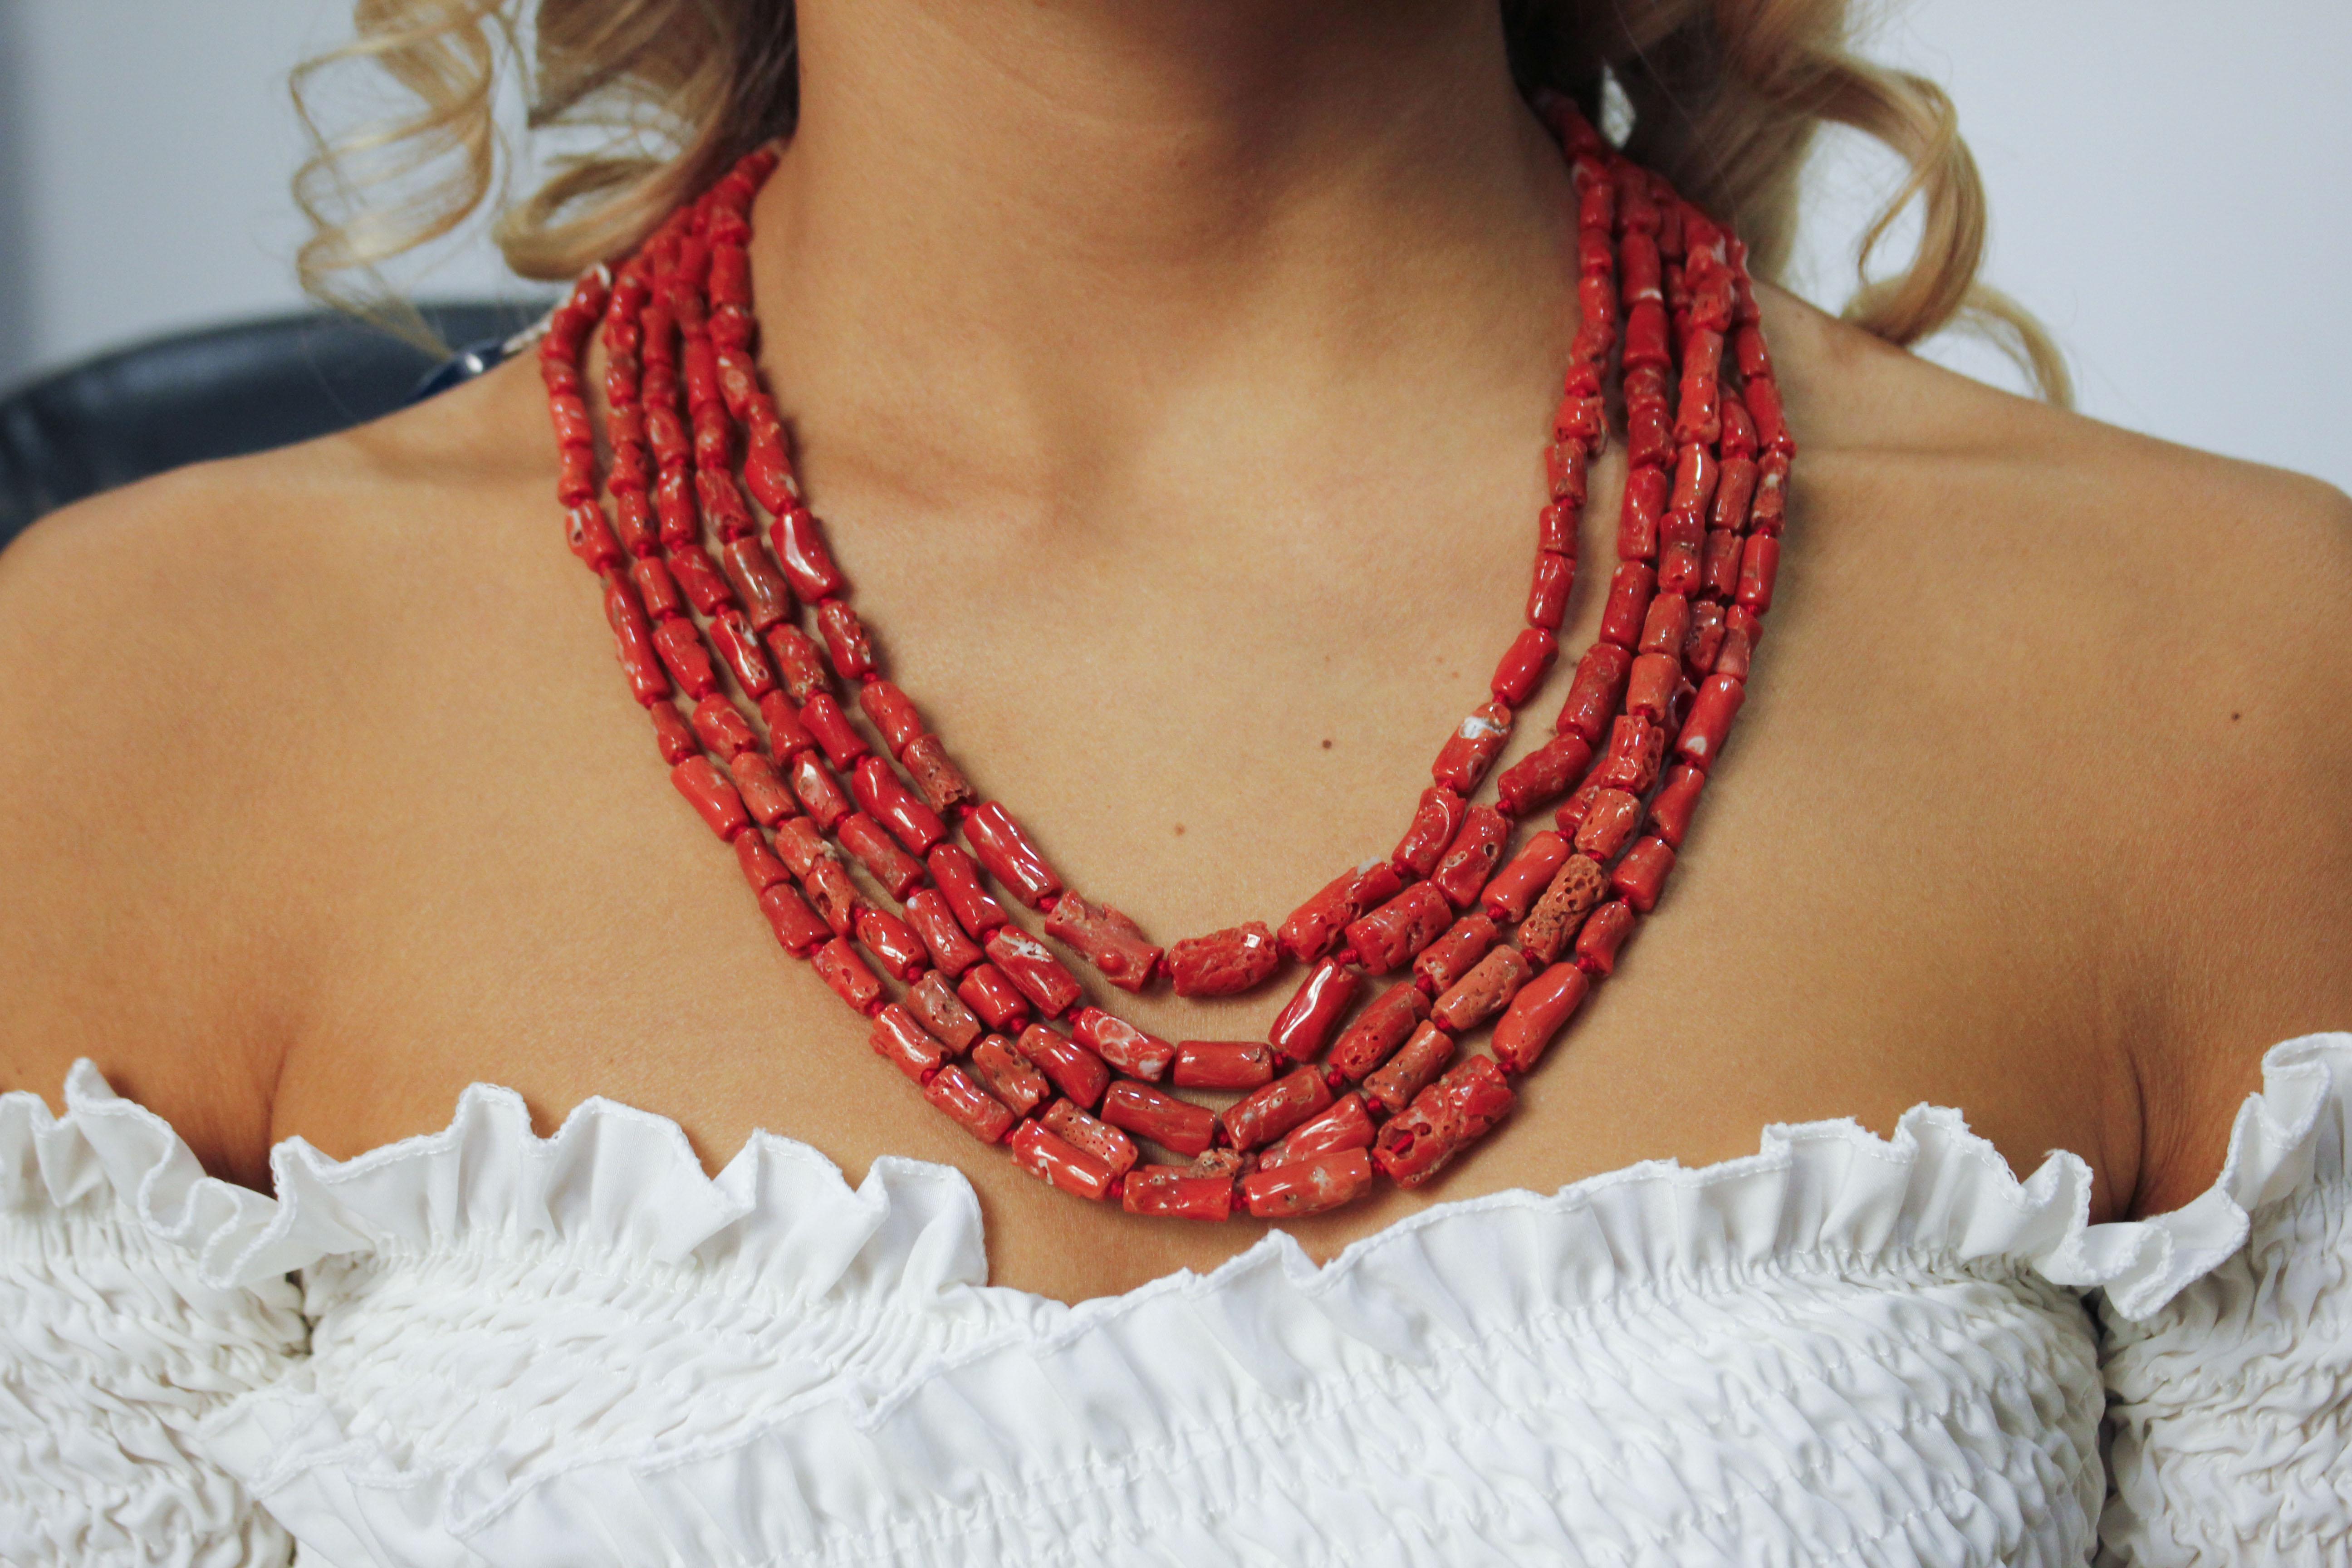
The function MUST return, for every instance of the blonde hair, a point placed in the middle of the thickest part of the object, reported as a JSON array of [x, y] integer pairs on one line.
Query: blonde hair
[[1724, 97]]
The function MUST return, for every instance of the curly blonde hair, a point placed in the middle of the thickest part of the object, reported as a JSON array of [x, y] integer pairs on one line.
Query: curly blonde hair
[[1725, 99]]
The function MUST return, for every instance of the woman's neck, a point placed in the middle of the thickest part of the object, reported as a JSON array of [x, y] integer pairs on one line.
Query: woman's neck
[[1013, 243]]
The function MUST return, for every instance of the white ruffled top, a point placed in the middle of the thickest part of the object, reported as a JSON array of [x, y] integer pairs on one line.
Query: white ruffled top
[[481, 1347]]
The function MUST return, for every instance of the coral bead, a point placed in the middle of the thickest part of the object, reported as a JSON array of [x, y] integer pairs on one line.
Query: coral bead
[[1090, 1136], [971, 1108], [706, 790], [1106, 939], [1121, 1044], [1636, 748], [939, 1009], [1543, 773], [958, 880], [1378, 1030], [1008, 1076], [1642, 874], [1610, 824], [1078, 1072], [986, 991], [1416, 1063], [799, 542], [1177, 1125], [786, 733], [1603, 933], [799, 664], [1171, 1192], [1516, 887], [1538, 1013], [720, 726], [891, 865], [1486, 991], [1315, 927], [893, 942], [762, 788], [1466, 755], [760, 866], [891, 712], [845, 641], [1388, 939], [1223, 963], [1312, 1016], [878, 787], [1524, 666], [1471, 859], [1222, 1064], [797, 927], [1580, 886], [1347, 1125], [1441, 1120], [1650, 694], [943, 784], [927, 910], [1306, 1186], [1592, 696], [1555, 575], [1628, 601], [825, 718], [1435, 821], [1710, 724], [1000, 845], [1670, 811], [1759, 562], [904, 1043], [1029, 965], [1267, 1113], [1054, 1161], [1638, 515], [818, 791], [837, 964], [1453, 955]]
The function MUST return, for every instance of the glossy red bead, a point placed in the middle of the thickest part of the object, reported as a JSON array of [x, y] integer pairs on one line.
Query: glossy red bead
[[934, 1002], [708, 791], [698, 578], [1453, 956], [1471, 750], [986, 991], [893, 943], [1177, 1125], [941, 783], [1610, 824], [1054, 1161], [1768, 512], [846, 640], [1603, 933], [839, 966], [1650, 694], [1306, 1186], [1642, 874], [590, 536], [904, 1043], [1542, 774], [1771, 427], [673, 735], [648, 680], [764, 790], [1705, 637], [891, 712], [971, 1106], [1478, 847], [739, 649], [1379, 1029], [876, 851], [818, 790], [1070, 1068], [1435, 820], [1090, 1135], [1629, 601], [999, 843], [1759, 562], [1222, 1064], [680, 647], [799, 664], [824, 717], [1514, 889], [1538, 1013], [1348, 1124], [1388, 939], [958, 880], [1555, 575], [1223, 963], [720, 726], [1523, 666], [1007, 1075], [1486, 991], [1637, 517], [1709, 724], [1173, 1192], [799, 542], [1732, 494], [1122, 1045], [1313, 1015], [1592, 696], [797, 927], [1567, 469], [878, 789], [1670, 810], [1029, 964], [1646, 335], [1267, 1113], [786, 733], [1415, 1064], [761, 867], [1441, 1120], [1315, 927], [1106, 939]]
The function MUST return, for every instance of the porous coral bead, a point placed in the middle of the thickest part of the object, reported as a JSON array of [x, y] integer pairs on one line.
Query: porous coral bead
[[1524, 666], [1175, 1192], [879, 790], [1517, 884], [845, 639], [1415, 1064], [797, 927], [1637, 516], [891, 712], [1710, 724], [1580, 886], [1603, 933], [722, 504], [904, 1043], [1435, 820], [1486, 991], [1267, 1113], [1222, 1064], [1307, 1021], [1378, 1030], [720, 726], [1636, 748], [1650, 695], [934, 1002], [1121, 1044], [831, 891], [1538, 1013], [799, 542], [971, 1108], [837, 964], [1460, 875], [1719, 564], [799, 664], [1315, 927], [1106, 939], [1000, 845], [1223, 963], [1090, 1136], [1640, 876], [1388, 939], [1006, 1075], [1307, 1186], [1572, 813], [1607, 827], [1471, 750], [1453, 956], [1592, 696], [1441, 1120], [927, 910], [958, 880], [1347, 1125], [986, 991], [706, 790], [943, 784], [1076, 1072], [1056, 1162], [1542, 774], [1177, 1125], [1028, 964], [892, 866], [1555, 574]]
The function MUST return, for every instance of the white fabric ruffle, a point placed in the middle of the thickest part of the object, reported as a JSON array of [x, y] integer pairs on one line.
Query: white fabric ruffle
[[582, 1349]]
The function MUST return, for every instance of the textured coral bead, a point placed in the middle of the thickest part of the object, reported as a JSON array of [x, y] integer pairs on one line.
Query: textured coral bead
[[1172, 1193], [1027, 962], [1435, 819], [1076, 1072], [891, 865], [1090, 1136], [818, 790], [1516, 887], [1710, 724], [1453, 955], [943, 784], [1054, 1161], [1388, 939], [1177, 1125], [1106, 939], [1347, 1125], [1306, 1186], [1315, 927], [1471, 750], [1486, 991], [1567, 470], [1768, 510], [1670, 810], [699, 578], [1637, 515], [1524, 666], [1412, 1068], [800, 550], [672, 734], [1542, 774], [958, 880], [1602, 934], [927, 910], [591, 538], [831, 892], [1267, 1113], [999, 843], [1733, 494], [1719, 564], [971, 1106], [764, 790], [891, 711], [1443, 1119], [1538, 1013], [761, 867], [904, 1043], [799, 663], [1592, 696], [1665, 627], [708, 791], [1629, 601], [1222, 1064], [1122, 1045], [846, 640], [1312, 1016], [633, 641], [1636, 748], [822, 714], [1471, 859], [1705, 637], [1555, 575], [1646, 335], [1223, 963], [1008, 1077], [838, 965], [934, 1002], [720, 726], [800, 845], [878, 787], [986, 991], [1759, 562], [893, 943], [1650, 693], [1579, 887], [1610, 824], [1642, 874], [1379, 1029], [798, 928]]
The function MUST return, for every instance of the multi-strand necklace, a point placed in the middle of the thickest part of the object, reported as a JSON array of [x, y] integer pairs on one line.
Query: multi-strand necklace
[[993, 1027]]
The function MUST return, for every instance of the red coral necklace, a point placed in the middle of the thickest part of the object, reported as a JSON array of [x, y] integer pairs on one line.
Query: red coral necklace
[[993, 1026]]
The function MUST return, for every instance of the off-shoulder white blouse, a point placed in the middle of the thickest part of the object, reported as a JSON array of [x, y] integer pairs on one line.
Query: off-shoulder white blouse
[[482, 1348]]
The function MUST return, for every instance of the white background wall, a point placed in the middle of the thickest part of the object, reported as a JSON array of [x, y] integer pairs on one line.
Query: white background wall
[[2170, 184]]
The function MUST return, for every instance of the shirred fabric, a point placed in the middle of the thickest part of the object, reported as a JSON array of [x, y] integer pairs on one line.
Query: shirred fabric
[[582, 1350]]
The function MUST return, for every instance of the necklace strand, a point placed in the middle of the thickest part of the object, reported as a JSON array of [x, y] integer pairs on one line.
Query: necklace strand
[[974, 1023]]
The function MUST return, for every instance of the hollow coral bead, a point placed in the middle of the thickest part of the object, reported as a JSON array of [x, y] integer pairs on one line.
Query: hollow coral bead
[[1441, 1120], [1090, 1135], [1580, 885], [943, 784], [1223, 963], [1636, 748]]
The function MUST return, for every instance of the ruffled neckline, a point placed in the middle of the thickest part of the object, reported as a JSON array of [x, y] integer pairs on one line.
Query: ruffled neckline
[[781, 1219]]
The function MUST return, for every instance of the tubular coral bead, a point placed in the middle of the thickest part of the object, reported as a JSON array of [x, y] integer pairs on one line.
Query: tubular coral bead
[[1637, 517], [1592, 698], [1222, 1064], [1466, 755], [1639, 877], [958, 882], [891, 866], [878, 788], [1121, 1044], [939, 1009], [739, 647], [722, 503], [818, 791], [1000, 845], [1381, 1029], [681, 650], [799, 542], [1471, 859], [845, 639], [1455, 953], [839, 966], [833, 894], [1315, 927], [904, 1043], [1718, 566], [1177, 1125], [1603, 933], [1090, 1136], [796, 926], [699, 576], [1733, 492], [1415, 1064], [1649, 434], [1697, 471], [672, 735], [1555, 574], [708, 791], [1710, 724], [761, 867], [1705, 637], [1650, 695], [1029, 965], [1638, 263], [1435, 821], [633, 641], [893, 942], [1106, 939], [1767, 511], [1307, 1186], [591, 537], [722, 728], [1636, 748], [972, 1107], [1759, 562], [1579, 887], [1486, 991], [1678, 567], [1267, 1113], [1078, 1072], [1387, 939], [824, 717], [1567, 466], [891, 712], [786, 733], [1524, 666], [1347, 1125], [1223, 963], [1441, 1120], [1732, 659], [799, 662], [943, 784], [1670, 812], [1311, 1016], [1516, 885], [1171, 1193], [1054, 1161], [1006, 1074], [986, 991], [1542, 774], [1609, 825], [1764, 407], [1538, 1013], [762, 789], [1646, 335], [1628, 601], [1556, 528]]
